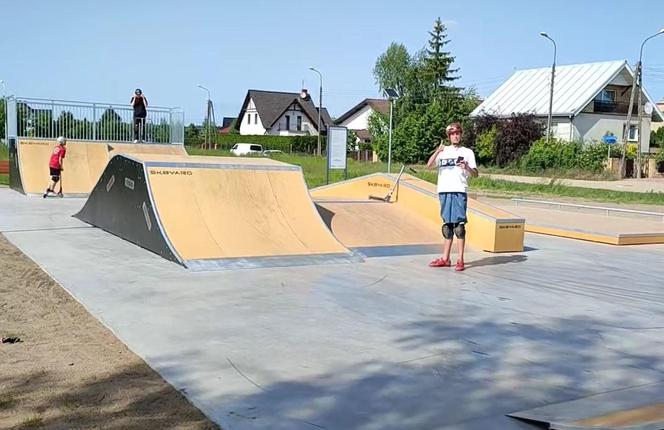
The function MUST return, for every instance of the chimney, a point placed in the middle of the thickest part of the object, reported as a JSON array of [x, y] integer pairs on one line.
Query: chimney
[[304, 94]]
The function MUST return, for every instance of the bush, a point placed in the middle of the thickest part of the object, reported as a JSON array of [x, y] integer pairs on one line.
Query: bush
[[485, 146], [560, 154], [556, 154], [515, 136], [592, 157]]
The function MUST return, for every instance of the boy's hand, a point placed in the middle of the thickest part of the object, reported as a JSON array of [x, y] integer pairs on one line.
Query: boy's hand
[[463, 164]]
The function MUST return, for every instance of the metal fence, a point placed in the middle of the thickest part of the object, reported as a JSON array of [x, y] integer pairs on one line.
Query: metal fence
[[41, 118]]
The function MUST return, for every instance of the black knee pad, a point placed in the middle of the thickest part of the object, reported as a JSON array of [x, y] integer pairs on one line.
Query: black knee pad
[[447, 231], [55, 179], [460, 230]]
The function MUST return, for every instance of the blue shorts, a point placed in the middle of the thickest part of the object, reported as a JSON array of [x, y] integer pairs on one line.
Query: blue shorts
[[453, 207]]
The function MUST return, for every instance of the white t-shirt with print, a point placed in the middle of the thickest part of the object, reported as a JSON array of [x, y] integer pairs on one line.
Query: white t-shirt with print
[[452, 178]]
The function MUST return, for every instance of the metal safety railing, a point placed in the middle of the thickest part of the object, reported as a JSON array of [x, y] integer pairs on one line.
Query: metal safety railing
[[42, 118]]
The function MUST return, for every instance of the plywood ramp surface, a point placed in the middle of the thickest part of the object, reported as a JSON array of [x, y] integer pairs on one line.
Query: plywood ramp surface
[[83, 165], [226, 213], [368, 224]]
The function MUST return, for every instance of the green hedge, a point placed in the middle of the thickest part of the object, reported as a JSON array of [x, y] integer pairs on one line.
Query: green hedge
[[560, 154], [288, 144]]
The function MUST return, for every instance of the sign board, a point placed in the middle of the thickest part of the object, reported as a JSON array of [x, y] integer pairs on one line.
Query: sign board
[[609, 139], [337, 138]]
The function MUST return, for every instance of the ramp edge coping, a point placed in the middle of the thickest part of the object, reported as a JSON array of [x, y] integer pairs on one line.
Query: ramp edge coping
[[189, 165]]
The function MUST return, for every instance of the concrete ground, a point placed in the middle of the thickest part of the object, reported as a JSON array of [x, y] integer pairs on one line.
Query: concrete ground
[[384, 344], [645, 185]]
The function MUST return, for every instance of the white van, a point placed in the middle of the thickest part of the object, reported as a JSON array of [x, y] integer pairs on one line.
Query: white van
[[246, 149]]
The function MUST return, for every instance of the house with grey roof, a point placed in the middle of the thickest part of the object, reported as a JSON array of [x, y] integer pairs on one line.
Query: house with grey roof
[[590, 101], [357, 117], [280, 113]]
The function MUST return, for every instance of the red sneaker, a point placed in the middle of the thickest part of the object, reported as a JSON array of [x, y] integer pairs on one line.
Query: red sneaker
[[440, 262], [459, 267]]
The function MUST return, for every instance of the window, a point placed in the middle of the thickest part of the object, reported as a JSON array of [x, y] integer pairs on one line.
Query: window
[[633, 133], [249, 118], [256, 118], [287, 122], [607, 96], [256, 148], [299, 123]]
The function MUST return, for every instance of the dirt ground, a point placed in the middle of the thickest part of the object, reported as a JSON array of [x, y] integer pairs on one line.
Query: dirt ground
[[69, 371]]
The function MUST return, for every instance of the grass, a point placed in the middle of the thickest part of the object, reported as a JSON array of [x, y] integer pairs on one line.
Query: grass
[[32, 422], [4, 179], [4, 152], [7, 401], [314, 174]]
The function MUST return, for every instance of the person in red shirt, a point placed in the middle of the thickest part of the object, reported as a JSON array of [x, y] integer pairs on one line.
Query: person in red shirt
[[55, 166]]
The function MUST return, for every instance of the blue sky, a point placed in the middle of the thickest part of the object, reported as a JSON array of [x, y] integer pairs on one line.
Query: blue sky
[[100, 51]]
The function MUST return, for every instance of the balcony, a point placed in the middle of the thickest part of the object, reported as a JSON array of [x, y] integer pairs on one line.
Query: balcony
[[604, 106]]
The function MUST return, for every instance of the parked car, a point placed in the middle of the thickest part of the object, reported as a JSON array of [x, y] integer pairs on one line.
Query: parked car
[[246, 149], [271, 152]]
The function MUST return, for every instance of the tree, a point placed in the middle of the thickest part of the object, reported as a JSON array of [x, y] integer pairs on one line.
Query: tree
[[437, 63], [392, 68], [427, 102]]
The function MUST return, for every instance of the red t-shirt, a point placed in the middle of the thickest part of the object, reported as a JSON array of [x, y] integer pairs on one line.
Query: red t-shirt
[[58, 152]]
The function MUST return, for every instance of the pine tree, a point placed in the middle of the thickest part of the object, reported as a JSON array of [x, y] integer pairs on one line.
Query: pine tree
[[438, 62]]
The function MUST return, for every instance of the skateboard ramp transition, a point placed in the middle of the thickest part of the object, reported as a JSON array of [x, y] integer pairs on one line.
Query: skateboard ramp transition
[[411, 218], [211, 213], [84, 163]]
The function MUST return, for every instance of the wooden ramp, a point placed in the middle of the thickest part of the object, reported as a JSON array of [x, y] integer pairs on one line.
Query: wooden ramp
[[414, 216], [635, 408], [378, 228], [213, 212], [613, 226], [84, 163]]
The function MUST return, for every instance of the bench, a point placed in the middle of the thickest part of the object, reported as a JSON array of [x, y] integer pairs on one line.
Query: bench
[[4, 167]]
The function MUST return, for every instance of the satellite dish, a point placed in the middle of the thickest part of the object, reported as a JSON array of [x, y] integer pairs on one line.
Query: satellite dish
[[648, 108]]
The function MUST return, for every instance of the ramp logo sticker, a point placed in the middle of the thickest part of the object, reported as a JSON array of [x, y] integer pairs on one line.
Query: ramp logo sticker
[[146, 214], [110, 183], [379, 184], [129, 183], [510, 226], [179, 172]]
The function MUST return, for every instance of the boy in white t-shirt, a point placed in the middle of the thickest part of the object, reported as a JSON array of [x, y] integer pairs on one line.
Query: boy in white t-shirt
[[455, 164]]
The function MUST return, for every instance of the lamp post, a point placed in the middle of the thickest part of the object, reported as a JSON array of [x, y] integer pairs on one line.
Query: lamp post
[[553, 77], [392, 95], [207, 117], [320, 106], [639, 73]]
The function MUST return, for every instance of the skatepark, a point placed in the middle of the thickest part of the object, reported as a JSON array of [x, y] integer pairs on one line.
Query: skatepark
[[271, 306]]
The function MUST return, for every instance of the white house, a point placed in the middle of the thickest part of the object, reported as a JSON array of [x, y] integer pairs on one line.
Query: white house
[[357, 117], [589, 101], [280, 113]]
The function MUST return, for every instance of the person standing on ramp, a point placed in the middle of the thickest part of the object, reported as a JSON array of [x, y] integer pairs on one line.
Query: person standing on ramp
[[140, 105], [455, 164], [55, 166]]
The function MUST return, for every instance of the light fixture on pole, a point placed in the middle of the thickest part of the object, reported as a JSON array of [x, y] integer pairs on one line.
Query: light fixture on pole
[[209, 118], [392, 95], [553, 76], [320, 106], [639, 69]]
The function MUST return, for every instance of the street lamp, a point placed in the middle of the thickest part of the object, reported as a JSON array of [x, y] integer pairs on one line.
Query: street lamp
[[639, 67], [553, 76], [392, 95], [320, 105], [209, 113]]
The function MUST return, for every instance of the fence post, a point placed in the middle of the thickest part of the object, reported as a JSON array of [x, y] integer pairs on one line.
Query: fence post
[[94, 121]]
